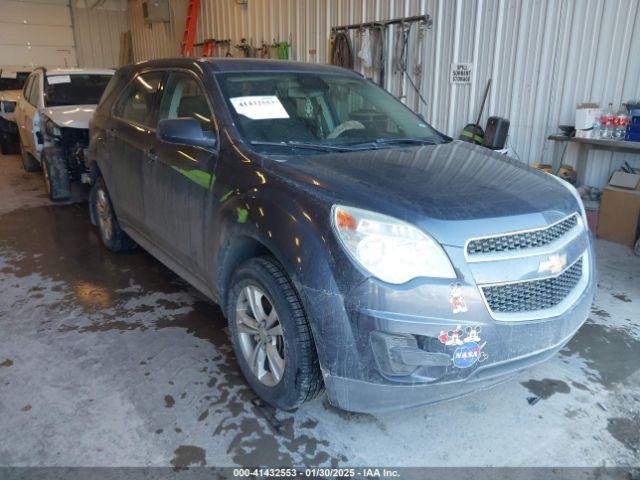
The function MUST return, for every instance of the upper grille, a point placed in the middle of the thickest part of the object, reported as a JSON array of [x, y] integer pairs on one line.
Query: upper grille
[[533, 295], [524, 240]]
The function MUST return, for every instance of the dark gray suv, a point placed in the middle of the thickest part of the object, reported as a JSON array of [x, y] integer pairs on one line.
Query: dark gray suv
[[351, 246]]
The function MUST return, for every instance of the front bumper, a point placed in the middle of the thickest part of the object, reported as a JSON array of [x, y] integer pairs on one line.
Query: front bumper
[[358, 380], [370, 397]]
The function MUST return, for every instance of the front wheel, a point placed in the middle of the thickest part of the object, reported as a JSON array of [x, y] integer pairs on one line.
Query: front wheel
[[29, 163], [271, 336], [111, 234], [56, 175]]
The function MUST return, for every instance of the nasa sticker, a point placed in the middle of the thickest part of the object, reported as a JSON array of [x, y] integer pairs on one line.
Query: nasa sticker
[[468, 350]]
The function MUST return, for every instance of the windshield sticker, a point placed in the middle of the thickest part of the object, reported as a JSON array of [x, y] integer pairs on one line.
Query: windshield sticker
[[55, 79], [9, 74], [266, 107], [458, 305]]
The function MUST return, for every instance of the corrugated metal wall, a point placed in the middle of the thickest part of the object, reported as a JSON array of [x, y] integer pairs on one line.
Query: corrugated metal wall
[[544, 56], [97, 26]]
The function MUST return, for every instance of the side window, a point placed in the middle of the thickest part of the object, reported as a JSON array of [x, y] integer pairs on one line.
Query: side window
[[32, 97], [27, 87], [136, 104], [183, 97]]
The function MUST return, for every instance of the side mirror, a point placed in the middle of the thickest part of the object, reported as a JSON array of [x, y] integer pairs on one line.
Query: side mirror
[[184, 131]]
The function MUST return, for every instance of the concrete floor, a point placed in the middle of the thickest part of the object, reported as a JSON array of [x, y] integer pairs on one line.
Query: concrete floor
[[112, 360]]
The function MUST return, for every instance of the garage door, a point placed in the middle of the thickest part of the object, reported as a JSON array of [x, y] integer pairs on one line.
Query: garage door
[[36, 32]]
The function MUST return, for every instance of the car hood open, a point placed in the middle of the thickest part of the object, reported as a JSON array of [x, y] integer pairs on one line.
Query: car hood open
[[73, 116], [439, 187]]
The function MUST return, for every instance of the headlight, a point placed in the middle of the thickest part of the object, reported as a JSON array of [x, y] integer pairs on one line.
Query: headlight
[[576, 195], [51, 128], [387, 248]]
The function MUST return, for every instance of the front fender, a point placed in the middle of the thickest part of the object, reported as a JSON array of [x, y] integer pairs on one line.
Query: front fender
[[300, 238]]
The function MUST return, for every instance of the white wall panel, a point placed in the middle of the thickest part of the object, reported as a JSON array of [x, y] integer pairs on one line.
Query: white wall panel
[[36, 32], [543, 56]]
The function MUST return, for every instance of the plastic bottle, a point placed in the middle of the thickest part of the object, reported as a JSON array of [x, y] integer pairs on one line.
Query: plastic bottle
[[607, 120], [621, 122], [597, 128]]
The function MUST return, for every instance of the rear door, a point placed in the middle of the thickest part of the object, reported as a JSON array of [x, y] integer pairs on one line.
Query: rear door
[[130, 138], [178, 184], [29, 105]]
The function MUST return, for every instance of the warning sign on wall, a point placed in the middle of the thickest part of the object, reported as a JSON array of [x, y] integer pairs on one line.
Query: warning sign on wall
[[461, 72]]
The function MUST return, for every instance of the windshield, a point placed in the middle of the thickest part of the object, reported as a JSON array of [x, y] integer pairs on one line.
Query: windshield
[[76, 89], [319, 111], [13, 81]]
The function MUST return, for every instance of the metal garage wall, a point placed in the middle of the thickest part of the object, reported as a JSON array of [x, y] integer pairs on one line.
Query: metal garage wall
[[36, 32], [544, 56], [97, 27]]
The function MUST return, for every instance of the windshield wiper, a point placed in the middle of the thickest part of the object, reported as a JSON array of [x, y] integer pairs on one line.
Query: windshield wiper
[[417, 141], [304, 145]]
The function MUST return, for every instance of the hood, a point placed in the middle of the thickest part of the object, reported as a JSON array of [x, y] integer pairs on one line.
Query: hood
[[10, 95], [453, 191], [75, 116]]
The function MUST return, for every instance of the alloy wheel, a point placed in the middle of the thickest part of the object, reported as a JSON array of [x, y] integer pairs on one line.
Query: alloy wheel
[[260, 335], [105, 219]]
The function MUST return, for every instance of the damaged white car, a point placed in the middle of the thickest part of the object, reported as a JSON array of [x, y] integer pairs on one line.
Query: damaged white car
[[11, 82], [53, 117]]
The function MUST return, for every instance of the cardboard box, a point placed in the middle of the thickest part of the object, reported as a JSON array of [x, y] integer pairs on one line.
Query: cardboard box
[[626, 180], [619, 213]]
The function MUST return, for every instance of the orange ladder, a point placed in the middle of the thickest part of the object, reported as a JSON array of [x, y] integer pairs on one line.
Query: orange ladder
[[189, 37]]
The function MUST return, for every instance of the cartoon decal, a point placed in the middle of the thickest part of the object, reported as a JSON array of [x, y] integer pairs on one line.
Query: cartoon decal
[[473, 334], [451, 338], [458, 305], [469, 349]]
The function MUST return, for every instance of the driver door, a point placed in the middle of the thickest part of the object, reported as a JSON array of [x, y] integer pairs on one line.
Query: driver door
[[179, 180]]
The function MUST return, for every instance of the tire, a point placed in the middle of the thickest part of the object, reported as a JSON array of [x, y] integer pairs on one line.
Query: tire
[[56, 175], [29, 163], [293, 377], [111, 234]]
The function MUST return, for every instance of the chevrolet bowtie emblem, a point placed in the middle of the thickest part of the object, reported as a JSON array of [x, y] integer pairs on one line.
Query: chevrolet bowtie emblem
[[554, 263]]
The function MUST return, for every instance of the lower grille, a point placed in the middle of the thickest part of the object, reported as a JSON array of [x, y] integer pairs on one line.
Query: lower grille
[[533, 295]]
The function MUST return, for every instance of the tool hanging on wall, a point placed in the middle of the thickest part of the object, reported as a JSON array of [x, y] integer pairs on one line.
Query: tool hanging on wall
[[473, 132], [246, 48], [371, 52], [403, 34], [212, 47], [417, 68], [341, 51]]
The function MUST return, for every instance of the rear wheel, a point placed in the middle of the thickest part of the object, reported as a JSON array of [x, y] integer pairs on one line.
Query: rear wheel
[[271, 335], [56, 175], [111, 234]]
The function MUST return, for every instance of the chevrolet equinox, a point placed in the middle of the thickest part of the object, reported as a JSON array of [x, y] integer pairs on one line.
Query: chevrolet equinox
[[351, 246]]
